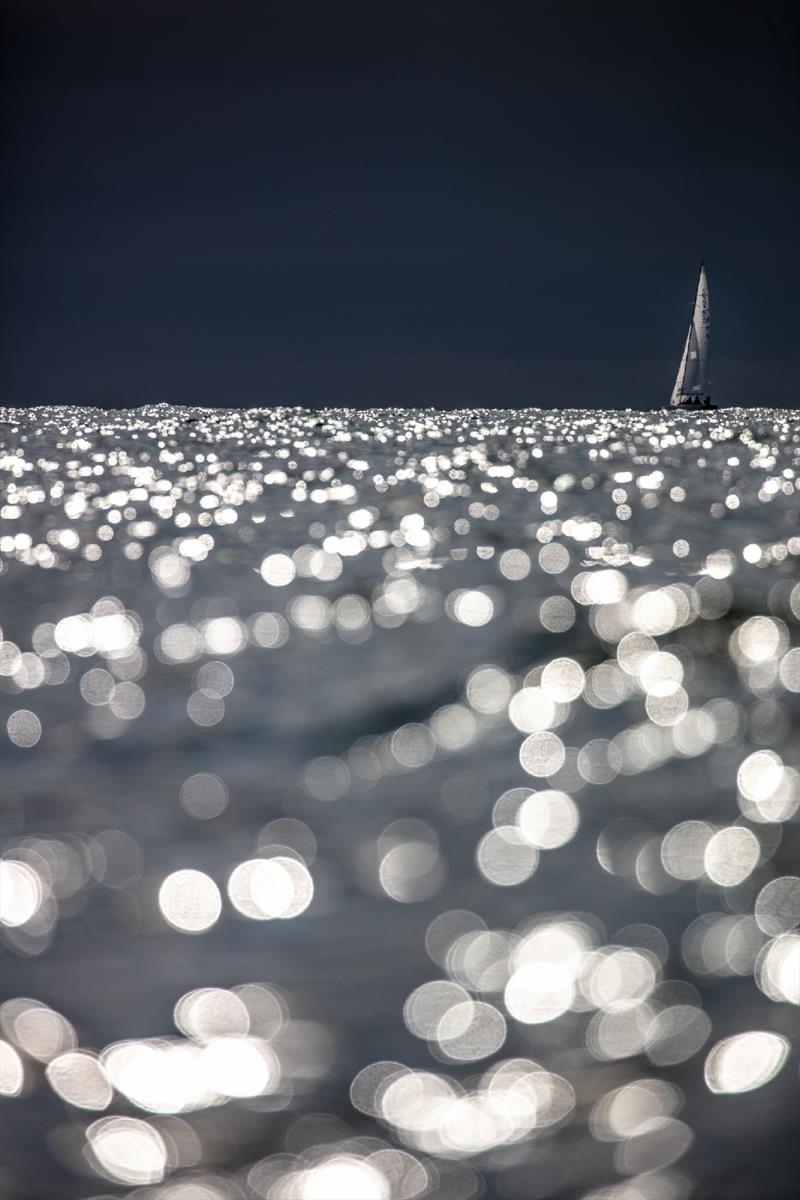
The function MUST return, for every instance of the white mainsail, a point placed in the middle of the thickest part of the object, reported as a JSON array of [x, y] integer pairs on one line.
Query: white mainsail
[[691, 382]]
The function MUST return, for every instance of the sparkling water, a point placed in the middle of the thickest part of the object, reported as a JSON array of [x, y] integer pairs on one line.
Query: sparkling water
[[399, 803]]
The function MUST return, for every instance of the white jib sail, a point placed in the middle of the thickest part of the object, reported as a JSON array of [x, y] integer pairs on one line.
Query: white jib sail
[[692, 377]]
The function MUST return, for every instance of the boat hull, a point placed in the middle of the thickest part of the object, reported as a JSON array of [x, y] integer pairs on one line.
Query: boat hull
[[692, 406]]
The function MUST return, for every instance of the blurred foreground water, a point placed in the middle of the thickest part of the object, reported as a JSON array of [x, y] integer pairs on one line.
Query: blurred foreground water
[[399, 804]]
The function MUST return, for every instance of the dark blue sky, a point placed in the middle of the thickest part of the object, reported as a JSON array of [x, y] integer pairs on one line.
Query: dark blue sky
[[396, 202]]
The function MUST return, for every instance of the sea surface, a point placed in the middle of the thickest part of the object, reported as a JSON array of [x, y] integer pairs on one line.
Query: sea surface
[[399, 804]]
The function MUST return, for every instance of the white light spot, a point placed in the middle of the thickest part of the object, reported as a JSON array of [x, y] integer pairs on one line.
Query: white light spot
[[24, 728], [79, 1078], [211, 1012], [563, 680], [12, 1074], [553, 558], [470, 1031], [548, 819], [128, 1149], [190, 901], [277, 570], [472, 607], [204, 796], [489, 689], [778, 969], [21, 892], [506, 857], [268, 888], [542, 754], [239, 1066], [344, 1178], [777, 907], [746, 1061], [540, 992], [730, 855]]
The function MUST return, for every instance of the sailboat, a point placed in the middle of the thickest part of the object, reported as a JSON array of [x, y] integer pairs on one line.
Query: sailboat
[[691, 382]]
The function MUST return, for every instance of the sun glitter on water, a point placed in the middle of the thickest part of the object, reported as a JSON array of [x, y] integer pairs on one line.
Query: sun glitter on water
[[399, 803]]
